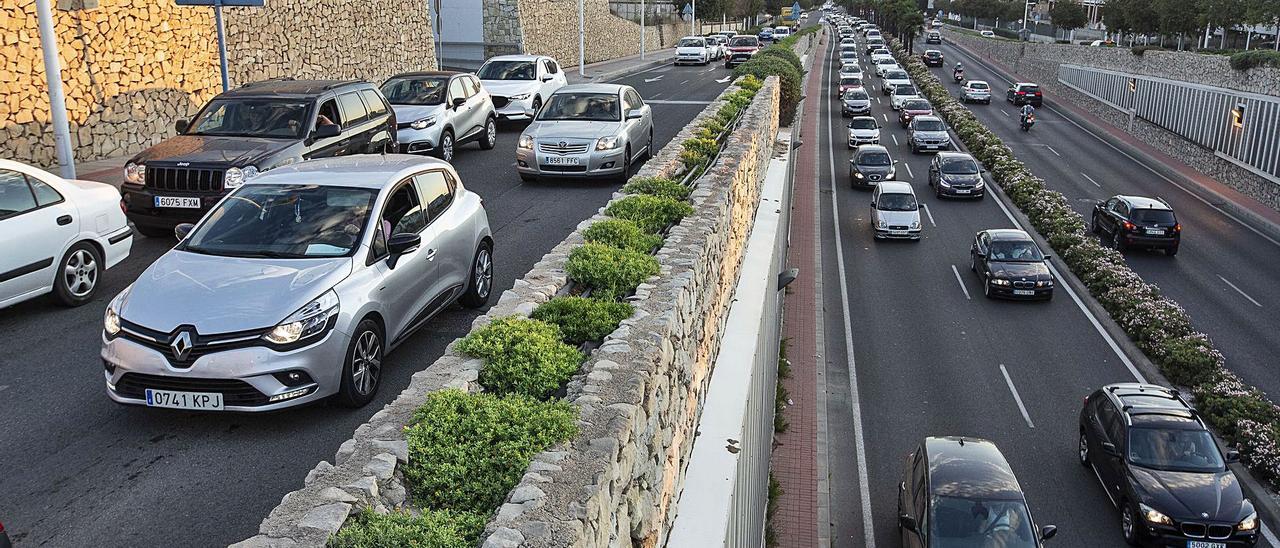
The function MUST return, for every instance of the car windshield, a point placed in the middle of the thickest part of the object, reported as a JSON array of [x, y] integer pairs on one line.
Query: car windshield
[[417, 90], [1154, 216], [919, 104], [744, 41], [692, 43], [874, 159], [928, 125], [886, 61], [856, 95], [964, 522], [894, 201], [1016, 251], [507, 70], [896, 75], [863, 123], [959, 166], [595, 107], [978, 85], [850, 81], [934, 53], [906, 90], [271, 118], [1174, 449], [846, 54], [285, 221]]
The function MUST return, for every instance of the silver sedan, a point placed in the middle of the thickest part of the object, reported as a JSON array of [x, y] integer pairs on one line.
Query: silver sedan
[[586, 130], [296, 285]]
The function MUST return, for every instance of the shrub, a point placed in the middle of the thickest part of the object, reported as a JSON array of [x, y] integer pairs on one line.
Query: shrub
[[432, 529], [467, 451], [1246, 60], [522, 356], [650, 213], [1139, 50], [784, 53], [582, 320], [713, 125], [622, 234], [750, 83], [1006, 33], [612, 273], [790, 82], [1190, 360], [702, 147], [658, 186]]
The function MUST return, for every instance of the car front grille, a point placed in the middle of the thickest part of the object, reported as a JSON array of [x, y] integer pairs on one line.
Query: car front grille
[[499, 101], [1194, 530], [234, 391], [185, 179], [897, 227], [563, 148], [1023, 284], [201, 345], [874, 177], [563, 169]]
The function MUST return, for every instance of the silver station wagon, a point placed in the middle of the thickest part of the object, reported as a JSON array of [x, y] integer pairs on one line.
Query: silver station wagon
[[295, 286]]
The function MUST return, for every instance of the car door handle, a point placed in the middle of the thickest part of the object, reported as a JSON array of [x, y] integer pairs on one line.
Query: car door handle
[[64, 220], [431, 254]]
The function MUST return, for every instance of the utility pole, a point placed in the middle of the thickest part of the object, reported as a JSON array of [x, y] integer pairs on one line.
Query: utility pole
[[693, 19], [582, 41], [440, 39], [642, 30], [57, 103]]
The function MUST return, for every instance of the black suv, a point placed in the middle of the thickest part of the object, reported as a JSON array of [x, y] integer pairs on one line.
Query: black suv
[[1023, 93], [248, 130], [932, 58], [1159, 464], [1134, 221]]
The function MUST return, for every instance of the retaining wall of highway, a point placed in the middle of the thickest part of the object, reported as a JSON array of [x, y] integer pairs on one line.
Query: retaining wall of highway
[[550, 27], [1040, 62]]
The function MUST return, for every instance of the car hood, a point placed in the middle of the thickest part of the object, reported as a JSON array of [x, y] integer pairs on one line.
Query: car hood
[[206, 149], [897, 81], [1020, 270], [869, 170], [857, 102], [863, 132], [1190, 495], [899, 217], [411, 113], [507, 88], [690, 49], [931, 135], [959, 179], [227, 294], [565, 129]]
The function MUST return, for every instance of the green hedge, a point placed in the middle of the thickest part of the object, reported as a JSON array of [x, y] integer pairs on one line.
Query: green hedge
[[522, 356], [1246, 60], [467, 451], [580, 319], [784, 53], [650, 213], [431, 529], [622, 234], [611, 273], [791, 80], [659, 186]]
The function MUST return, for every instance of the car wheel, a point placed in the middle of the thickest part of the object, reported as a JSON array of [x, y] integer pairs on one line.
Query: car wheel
[[648, 148], [362, 370], [480, 282], [537, 104], [973, 262], [1129, 523], [446, 145], [625, 174], [986, 288], [490, 134], [1093, 224], [154, 231], [77, 276], [1116, 243], [1171, 251], [1084, 448]]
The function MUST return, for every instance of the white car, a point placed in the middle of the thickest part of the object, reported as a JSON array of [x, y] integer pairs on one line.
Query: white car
[[881, 52], [976, 91], [693, 50], [864, 130], [884, 65], [719, 45], [519, 84], [895, 213], [988, 34], [893, 79], [851, 71], [902, 94], [57, 235]]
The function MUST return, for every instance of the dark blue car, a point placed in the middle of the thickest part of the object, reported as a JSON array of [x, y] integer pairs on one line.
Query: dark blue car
[[765, 35]]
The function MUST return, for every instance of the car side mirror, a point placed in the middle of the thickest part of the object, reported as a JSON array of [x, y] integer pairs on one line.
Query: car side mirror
[[635, 114], [401, 244], [181, 126], [1047, 532], [1048, 258], [459, 101], [1233, 456], [907, 522], [1110, 449], [873, 203], [182, 230], [327, 130]]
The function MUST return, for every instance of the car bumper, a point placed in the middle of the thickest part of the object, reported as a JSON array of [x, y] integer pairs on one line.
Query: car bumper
[[250, 369], [933, 63], [971, 192], [1025, 101], [1159, 242], [859, 141], [853, 111], [418, 141], [697, 59], [931, 146], [1008, 292], [515, 110], [979, 98], [590, 164], [1164, 536], [141, 210], [886, 234], [868, 180]]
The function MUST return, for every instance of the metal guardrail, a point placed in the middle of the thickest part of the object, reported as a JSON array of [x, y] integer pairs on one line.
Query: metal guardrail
[[1240, 127]]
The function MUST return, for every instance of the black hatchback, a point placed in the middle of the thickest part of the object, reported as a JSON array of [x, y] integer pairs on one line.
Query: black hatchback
[[1158, 463], [1135, 221], [960, 491], [245, 131]]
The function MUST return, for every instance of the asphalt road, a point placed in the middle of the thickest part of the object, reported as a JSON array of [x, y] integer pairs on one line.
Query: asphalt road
[[1224, 274], [913, 349], [79, 470]]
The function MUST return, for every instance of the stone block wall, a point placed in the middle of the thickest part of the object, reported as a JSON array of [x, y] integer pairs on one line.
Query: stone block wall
[[132, 67], [1039, 62], [550, 27]]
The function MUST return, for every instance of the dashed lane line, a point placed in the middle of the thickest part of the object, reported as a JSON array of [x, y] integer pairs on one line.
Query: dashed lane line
[[1014, 390], [960, 280]]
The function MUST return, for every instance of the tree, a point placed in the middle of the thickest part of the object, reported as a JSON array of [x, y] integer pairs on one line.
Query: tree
[[1177, 17], [1068, 15], [1223, 14]]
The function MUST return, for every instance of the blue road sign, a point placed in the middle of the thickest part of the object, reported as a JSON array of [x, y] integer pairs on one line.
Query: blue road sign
[[795, 10]]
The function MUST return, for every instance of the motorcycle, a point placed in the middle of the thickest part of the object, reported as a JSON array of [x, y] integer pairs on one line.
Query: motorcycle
[[958, 76], [1028, 121]]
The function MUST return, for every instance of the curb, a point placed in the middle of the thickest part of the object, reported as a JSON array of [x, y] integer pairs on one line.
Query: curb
[[1104, 131], [647, 64]]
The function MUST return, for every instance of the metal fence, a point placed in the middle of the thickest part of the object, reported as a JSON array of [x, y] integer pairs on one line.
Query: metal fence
[[1240, 127]]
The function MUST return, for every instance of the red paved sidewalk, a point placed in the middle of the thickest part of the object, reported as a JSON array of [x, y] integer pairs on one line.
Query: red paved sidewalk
[[795, 458]]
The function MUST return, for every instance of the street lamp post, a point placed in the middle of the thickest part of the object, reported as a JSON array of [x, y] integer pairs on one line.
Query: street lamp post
[[693, 19], [642, 30], [1026, 12], [57, 103], [582, 34]]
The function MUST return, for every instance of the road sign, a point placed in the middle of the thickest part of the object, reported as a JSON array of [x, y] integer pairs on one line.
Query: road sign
[[217, 17], [795, 10]]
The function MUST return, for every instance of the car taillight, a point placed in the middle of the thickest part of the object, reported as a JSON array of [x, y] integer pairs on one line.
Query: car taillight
[[1129, 226], [1177, 227], [1022, 93]]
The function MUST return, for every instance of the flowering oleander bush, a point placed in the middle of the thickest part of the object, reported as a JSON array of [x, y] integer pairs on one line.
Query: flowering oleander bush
[[1160, 327]]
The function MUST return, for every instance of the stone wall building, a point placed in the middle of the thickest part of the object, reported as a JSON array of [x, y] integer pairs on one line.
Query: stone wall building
[[130, 68], [550, 27]]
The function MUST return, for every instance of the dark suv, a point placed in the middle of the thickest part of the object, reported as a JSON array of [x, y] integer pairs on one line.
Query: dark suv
[[246, 131], [932, 58], [1135, 221], [1159, 464], [1023, 93]]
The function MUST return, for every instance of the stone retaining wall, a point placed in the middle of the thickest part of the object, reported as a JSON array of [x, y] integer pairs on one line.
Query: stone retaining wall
[[550, 27], [1039, 63], [132, 67]]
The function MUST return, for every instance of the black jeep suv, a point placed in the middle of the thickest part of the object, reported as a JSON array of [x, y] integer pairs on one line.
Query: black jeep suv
[[1159, 464], [248, 130], [1135, 221]]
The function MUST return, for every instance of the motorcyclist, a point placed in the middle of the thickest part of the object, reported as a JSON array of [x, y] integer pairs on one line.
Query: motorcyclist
[[1028, 111], [958, 72]]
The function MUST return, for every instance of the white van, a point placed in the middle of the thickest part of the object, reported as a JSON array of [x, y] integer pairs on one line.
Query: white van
[[895, 213]]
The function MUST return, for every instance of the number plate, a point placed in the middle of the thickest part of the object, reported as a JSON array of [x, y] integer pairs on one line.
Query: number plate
[[1155, 231], [1203, 544], [963, 191], [561, 160], [898, 232], [1024, 292], [199, 401], [186, 202]]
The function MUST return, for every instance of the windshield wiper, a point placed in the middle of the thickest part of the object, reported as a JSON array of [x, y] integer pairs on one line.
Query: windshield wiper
[[273, 254]]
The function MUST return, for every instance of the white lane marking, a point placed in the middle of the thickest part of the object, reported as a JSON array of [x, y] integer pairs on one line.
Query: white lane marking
[[1053, 151], [1016, 397], [878, 101], [676, 102], [908, 166], [1137, 161], [960, 280], [725, 79], [683, 82], [1103, 484], [1086, 176], [652, 97], [1266, 533], [868, 527], [929, 213], [655, 78], [895, 139], [885, 116], [1003, 112], [1240, 291]]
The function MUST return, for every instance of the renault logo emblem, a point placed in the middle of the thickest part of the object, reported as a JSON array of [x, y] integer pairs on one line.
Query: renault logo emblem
[[181, 346]]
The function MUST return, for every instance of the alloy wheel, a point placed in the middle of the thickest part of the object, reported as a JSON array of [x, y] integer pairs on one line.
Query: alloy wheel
[[483, 274], [366, 363], [491, 132], [1126, 523], [446, 147], [80, 273], [1084, 449]]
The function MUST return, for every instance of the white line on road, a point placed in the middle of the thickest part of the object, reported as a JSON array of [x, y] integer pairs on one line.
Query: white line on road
[[909, 173], [1266, 533], [1086, 176], [1014, 390], [676, 102], [885, 116], [929, 214], [878, 101], [725, 79], [1003, 112], [956, 271], [652, 97], [864, 491], [1053, 151], [895, 139], [655, 78], [1240, 291], [683, 82]]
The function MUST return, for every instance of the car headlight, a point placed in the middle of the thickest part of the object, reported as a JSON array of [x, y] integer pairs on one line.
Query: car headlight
[[978, 184], [915, 224], [1249, 523], [944, 183], [857, 175], [233, 178], [998, 281], [1044, 283], [882, 223], [308, 321], [521, 96], [135, 173], [111, 318], [1154, 516], [423, 123], [608, 143], [250, 172], [892, 173], [526, 142]]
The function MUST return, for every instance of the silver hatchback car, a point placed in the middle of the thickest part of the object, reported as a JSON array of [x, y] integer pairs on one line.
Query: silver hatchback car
[[586, 130], [296, 285]]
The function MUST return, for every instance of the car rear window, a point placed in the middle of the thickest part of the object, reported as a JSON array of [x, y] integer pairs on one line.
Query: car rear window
[[1162, 216], [978, 85], [744, 41], [1031, 89], [906, 89], [850, 81], [919, 104]]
